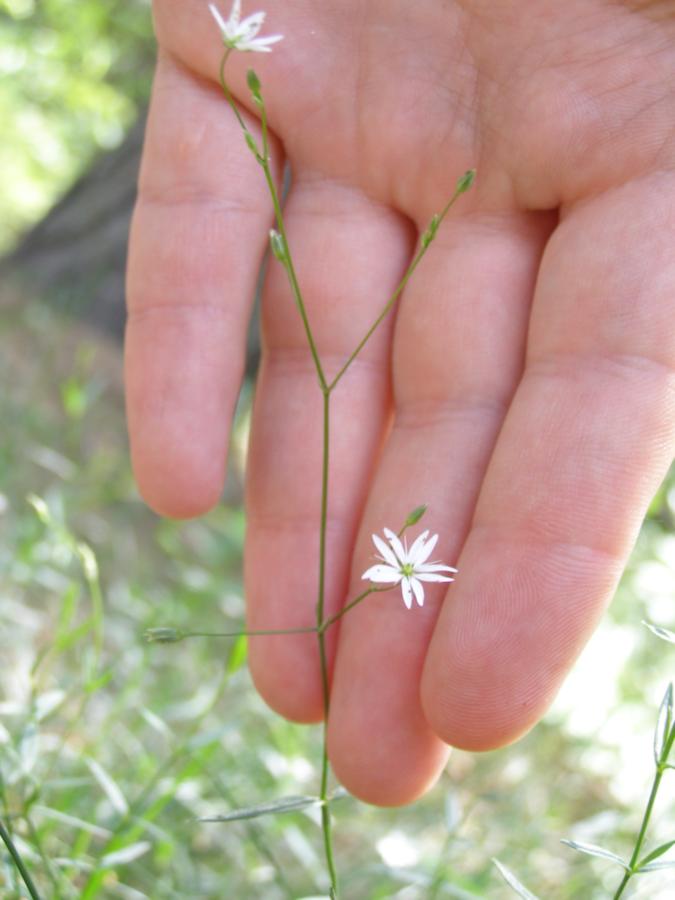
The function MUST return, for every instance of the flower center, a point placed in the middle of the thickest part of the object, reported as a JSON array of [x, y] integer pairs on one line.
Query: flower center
[[407, 569]]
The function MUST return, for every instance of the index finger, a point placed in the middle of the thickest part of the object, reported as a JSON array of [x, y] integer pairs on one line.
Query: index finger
[[198, 236]]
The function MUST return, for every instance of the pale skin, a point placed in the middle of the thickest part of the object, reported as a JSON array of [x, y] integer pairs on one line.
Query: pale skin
[[524, 386]]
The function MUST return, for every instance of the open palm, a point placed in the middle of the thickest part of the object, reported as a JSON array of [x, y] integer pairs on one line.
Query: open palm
[[524, 389]]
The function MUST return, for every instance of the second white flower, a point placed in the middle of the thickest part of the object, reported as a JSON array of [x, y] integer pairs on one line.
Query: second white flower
[[407, 567]]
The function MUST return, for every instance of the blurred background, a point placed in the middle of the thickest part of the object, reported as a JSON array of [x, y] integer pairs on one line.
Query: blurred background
[[110, 748]]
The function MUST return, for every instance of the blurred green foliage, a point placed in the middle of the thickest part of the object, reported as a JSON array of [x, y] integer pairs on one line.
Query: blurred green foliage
[[72, 79], [108, 759]]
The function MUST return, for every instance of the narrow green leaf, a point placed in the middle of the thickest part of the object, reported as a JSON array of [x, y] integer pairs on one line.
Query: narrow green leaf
[[251, 144], [125, 855], [238, 654], [663, 723], [68, 609], [513, 882], [74, 821], [593, 850], [660, 632], [656, 866], [41, 508], [659, 851], [286, 804], [109, 787], [72, 637], [95, 684]]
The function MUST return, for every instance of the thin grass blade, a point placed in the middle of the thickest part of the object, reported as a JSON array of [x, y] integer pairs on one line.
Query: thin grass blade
[[287, 804], [513, 882], [593, 850]]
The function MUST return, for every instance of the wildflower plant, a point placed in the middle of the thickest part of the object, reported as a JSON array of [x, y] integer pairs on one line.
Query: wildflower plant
[[639, 863], [398, 565]]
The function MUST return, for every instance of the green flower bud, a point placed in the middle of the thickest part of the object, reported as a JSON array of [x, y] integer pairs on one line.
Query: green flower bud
[[430, 233], [163, 635], [252, 146], [278, 246], [415, 515], [253, 82], [466, 181]]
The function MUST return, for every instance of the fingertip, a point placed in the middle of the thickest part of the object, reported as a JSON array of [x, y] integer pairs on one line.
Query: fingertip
[[179, 485], [287, 689], [476, 724], [382, 773]]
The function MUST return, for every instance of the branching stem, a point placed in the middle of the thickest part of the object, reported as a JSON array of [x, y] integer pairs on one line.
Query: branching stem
[[282, 251]]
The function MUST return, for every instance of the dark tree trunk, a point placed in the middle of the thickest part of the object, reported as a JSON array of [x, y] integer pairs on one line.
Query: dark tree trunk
[[75, 258]]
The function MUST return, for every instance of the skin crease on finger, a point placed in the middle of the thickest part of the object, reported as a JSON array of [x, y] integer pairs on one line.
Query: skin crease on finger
[[556, 105]]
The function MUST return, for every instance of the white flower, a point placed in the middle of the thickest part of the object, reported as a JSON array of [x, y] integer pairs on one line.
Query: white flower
[[241, 35], [407, 567]]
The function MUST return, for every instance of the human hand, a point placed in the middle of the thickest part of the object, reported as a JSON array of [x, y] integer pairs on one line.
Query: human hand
[[525, 389]]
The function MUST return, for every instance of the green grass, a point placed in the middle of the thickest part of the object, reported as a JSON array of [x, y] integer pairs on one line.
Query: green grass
[[110, 749]]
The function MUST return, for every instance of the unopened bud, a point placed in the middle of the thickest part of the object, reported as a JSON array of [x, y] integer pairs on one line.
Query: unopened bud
[[278, 246], [253, 83], [163, 635], [252, 146], [430, 233], [466, 181], [415, 515]]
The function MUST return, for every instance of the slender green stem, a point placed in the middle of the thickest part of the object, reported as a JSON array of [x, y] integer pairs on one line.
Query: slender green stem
[[326, 825], [226, 91], [325, 466], [641, 835], [310, 629], [284, 255], [396, 293], [661, 767], [292, 277], [8, 818], [52, 873], [263, 159], [168, 635], [355, 602], [19, 863]]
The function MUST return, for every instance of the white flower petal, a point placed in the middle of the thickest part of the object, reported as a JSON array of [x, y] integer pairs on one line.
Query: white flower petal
[[385, 550], [222, 24], [383, 574], [235, 12], [242, 35], [251, 25], [435, 567], [396, 544], [432, 576], [260, 44], [407, 592], [417, 547], [425, 553], [418, 591]]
